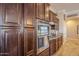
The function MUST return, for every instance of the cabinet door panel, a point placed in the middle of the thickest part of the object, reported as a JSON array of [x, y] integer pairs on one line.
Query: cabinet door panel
[[60, 41], [29, 14], [40, 11], [46, 12], [12, 14], [28, 40], [52, 46], [9, 42], [50, 16], [1, 13]]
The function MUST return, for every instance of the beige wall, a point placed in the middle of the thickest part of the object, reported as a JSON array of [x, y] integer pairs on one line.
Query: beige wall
[[71, 25], [62, 27]]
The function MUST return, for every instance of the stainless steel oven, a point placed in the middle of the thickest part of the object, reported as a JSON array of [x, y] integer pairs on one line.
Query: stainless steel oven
[[43, 31]]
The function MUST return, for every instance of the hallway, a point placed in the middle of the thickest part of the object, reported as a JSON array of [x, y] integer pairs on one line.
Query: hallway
[[71, 45], [69, 48]]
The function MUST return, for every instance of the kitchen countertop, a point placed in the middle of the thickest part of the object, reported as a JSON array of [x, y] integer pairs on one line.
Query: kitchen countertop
[[54, 37]]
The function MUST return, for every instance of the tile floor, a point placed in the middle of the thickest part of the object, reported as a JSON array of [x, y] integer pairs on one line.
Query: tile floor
[[69, 48]]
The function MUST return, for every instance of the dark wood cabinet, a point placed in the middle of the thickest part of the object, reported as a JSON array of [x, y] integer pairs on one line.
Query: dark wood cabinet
[[44, 53], [10, 41], [10, 36], [29, 14], [29, 37], [1, 13], [52, 45], [47, 12], [29, 31], [40, 11], [17, 28], [55, 45], [12, 15], [60, 41], [52, 16]]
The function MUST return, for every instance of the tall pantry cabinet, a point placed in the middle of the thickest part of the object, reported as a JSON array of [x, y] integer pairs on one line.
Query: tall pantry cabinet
[[17, 32], [29, 29], [10, 32]]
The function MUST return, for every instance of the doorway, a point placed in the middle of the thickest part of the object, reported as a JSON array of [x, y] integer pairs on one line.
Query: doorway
[[72, 25]]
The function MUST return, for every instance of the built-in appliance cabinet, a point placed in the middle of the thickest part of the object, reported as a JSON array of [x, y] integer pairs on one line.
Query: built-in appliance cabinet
[[29, 14], [44, 53], [17, 28], [29, 41], [19, 41], [55, 45]]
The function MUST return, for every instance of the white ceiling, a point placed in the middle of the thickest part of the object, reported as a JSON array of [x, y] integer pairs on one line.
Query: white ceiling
[[64, 6]]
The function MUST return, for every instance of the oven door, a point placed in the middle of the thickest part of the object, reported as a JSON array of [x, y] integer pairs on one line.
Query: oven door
[[42, 43]]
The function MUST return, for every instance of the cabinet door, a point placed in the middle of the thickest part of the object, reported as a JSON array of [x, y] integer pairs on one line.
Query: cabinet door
[[50, 16], [47, 12], [12, 15], [40, 11], [57, 45], [57, 23], [52, 46], [1, 13], [60, 41], [29, 41], [9, 42], [29, 14]]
